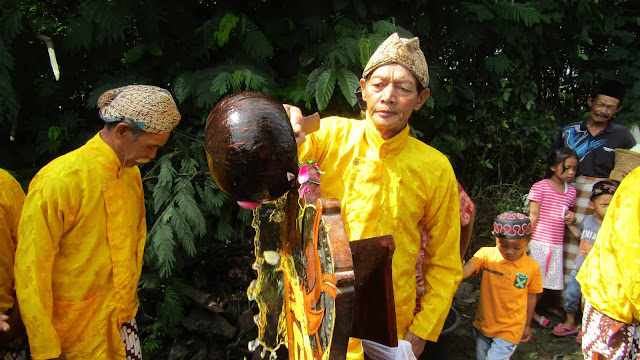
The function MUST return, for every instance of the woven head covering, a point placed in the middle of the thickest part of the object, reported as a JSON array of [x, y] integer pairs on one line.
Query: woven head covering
[[603, 188], [512, 225], [405, 52], [150, 107]]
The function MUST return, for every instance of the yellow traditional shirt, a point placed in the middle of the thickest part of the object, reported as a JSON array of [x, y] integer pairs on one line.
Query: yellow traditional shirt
[[79, 258], [11, 200], [393, 187], [610, 275]]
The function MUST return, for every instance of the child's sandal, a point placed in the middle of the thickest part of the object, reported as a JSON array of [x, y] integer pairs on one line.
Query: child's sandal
[[544, 322]]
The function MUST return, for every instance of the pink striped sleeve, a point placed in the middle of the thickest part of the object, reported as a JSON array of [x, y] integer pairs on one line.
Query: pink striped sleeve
[[536, 193]]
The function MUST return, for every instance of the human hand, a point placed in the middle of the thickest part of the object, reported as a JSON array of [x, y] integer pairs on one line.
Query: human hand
[[4, 326], [624, 173], [570, 218], [526, 335], [295, 117], [417, 343]]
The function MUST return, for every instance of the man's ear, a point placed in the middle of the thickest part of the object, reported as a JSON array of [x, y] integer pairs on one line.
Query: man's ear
[[620, 107], [121, 131], [422, 97], [590, 101], [362, 82], [591, 205]]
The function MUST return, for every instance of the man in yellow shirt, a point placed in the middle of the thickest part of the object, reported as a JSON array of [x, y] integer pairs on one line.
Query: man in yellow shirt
[[390, 183], [13, 341], [610, 279], [83, 231]]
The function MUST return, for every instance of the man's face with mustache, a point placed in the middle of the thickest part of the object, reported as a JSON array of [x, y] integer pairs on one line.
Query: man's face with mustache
[[603, 108], [391, 95], [141, 149]]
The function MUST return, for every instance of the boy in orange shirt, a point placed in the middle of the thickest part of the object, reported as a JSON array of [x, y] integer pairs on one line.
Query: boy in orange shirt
[[508, 289]]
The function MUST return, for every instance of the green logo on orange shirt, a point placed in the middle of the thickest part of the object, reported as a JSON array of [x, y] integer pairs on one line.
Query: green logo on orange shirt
[[521, 280]]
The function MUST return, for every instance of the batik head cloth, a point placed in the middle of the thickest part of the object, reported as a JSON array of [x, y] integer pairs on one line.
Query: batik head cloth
[[150, 107], [512, 225], [405, 52]]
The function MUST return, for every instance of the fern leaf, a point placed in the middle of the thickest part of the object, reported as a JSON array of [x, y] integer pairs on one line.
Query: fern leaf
[[162, 189], [325, 87], [256, 44], [183, 230], [163, 246], [6, 60], [383, 27], [149, 280], [245, 215], [80, 33], [172, 306], [364, 45], [182, 86], [227, 23], [481, 12], [517, 12], [188, 165], [348, 83], [189, 208], [500, 64], [224, 228], [10, 23], [111, 21], [206, 98], [222, 83]]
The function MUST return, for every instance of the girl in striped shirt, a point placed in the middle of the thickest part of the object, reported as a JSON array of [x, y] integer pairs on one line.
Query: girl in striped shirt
[[550, 201]]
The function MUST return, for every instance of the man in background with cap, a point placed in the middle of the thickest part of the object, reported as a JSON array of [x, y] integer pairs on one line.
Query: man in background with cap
[[83, 231], [596, 137], [594, 140], [390, 183]]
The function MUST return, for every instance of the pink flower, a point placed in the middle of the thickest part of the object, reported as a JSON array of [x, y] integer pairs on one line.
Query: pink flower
[[303, 174], [249, 205], [303, 190]]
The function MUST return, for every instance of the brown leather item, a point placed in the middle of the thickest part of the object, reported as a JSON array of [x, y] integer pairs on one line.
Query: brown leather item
[[374, 315], [311, 123]]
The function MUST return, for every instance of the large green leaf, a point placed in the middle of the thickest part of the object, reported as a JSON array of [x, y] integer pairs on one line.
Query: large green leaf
[[133, 54], [325, 87], [348, 83]]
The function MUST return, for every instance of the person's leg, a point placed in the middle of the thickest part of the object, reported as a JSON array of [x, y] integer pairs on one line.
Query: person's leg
[[482, 345], [572, 300], [500, 349], [543, 321]]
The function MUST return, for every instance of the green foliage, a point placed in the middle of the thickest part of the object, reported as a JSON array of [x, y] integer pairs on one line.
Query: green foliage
[[227, 23]]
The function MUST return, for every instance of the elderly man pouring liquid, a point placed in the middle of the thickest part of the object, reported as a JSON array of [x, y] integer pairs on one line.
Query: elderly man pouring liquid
[[390, 183]]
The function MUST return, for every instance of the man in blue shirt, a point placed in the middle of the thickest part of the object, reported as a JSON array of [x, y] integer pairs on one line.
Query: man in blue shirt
[[596, 138]]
